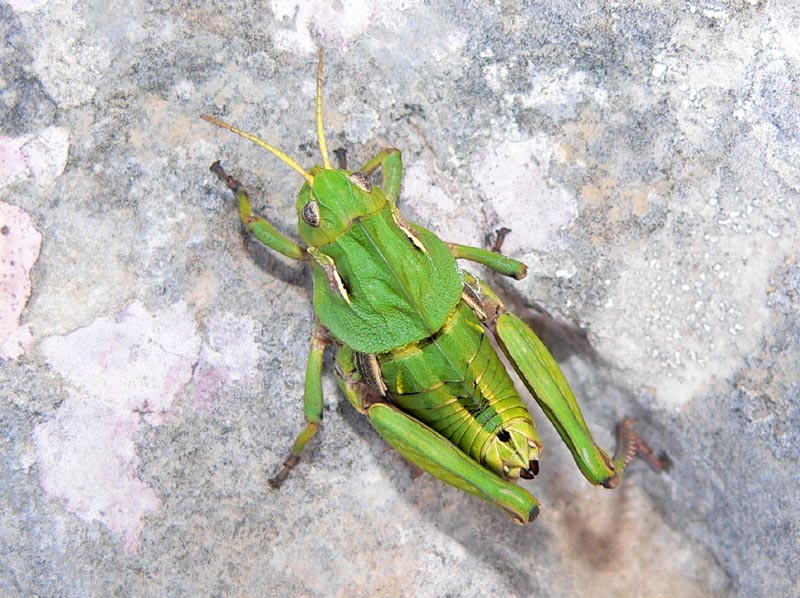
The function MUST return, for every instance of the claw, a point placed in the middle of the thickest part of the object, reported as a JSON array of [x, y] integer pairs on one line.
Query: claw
[[631, 445]]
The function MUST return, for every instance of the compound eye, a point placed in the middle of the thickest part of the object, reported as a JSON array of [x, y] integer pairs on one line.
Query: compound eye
[[360, 180], [310, 213]]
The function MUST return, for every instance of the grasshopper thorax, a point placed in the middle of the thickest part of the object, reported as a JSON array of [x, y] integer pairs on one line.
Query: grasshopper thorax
[[328, 206]]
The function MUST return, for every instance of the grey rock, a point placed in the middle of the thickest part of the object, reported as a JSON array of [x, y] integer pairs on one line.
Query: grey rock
[[645, 157]]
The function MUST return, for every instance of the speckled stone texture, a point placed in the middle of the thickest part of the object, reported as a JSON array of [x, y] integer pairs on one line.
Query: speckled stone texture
[[646, 156]]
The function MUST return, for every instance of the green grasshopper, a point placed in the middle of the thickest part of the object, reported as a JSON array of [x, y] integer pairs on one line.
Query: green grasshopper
[[411, 330]]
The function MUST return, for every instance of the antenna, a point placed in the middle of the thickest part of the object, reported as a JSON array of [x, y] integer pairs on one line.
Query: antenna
[[270, 148], [323, 146]]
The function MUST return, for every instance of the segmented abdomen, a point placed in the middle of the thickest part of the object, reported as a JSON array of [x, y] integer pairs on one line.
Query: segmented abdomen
[[455, 383]]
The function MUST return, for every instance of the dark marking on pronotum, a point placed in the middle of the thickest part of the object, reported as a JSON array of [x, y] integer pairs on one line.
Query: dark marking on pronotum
[[415, 240], [337, 285], [360, 180], [468, 296]]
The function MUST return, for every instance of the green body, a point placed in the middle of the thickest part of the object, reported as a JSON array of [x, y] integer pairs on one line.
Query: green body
[[397, 293], [413, 336]]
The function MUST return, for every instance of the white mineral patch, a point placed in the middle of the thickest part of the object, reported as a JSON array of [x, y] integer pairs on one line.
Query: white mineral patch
[[514, 179], [42, 156]]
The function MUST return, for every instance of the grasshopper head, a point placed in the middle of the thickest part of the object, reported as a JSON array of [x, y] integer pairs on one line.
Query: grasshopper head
[[326, 207]]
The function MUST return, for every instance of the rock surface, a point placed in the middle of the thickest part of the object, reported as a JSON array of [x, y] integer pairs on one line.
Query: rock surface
[[645, 156]]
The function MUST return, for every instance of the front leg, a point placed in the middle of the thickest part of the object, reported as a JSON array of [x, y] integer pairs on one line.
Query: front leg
[[260, 228]]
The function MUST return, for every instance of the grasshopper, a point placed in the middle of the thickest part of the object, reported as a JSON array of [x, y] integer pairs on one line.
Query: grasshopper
[[412, 336]]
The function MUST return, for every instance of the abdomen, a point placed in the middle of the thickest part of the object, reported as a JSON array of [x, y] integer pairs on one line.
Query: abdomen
[[454, 382]]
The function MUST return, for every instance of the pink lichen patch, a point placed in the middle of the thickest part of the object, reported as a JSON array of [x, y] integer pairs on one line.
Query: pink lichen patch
[[514, 177], [41, 157], [126, 366], [87, 456], [230, 355], [132, 359], [19, 249]]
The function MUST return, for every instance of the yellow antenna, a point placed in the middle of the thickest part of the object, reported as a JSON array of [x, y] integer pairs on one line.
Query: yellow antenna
[[260, 142], [323, 146]]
